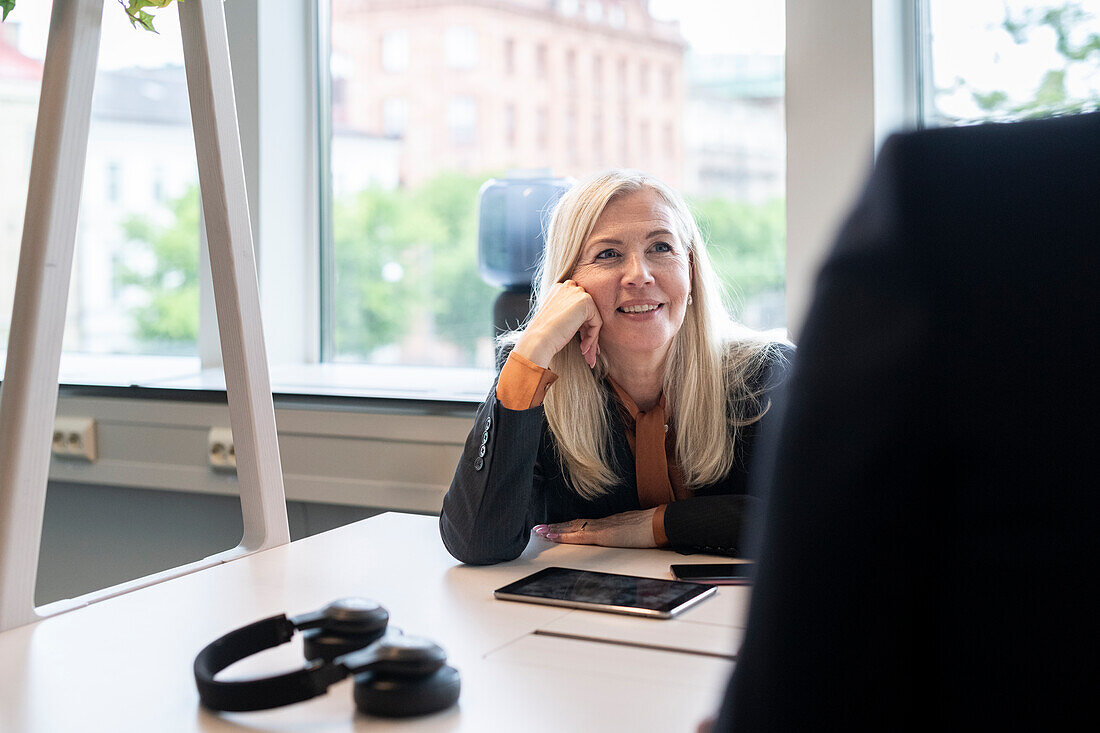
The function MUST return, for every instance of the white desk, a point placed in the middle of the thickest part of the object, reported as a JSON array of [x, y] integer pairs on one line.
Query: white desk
[[125, 664]]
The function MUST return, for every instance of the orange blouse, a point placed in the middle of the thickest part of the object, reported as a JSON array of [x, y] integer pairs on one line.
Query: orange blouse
[[523, 384]]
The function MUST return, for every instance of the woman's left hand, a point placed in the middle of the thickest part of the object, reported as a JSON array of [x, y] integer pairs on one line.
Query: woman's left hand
[[628, 529]]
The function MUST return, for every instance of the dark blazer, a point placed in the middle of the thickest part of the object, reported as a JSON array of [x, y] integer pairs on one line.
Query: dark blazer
[[931, 530], [509, 479]]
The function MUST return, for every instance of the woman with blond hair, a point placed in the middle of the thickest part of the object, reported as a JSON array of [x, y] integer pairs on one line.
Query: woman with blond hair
[[626, 411]]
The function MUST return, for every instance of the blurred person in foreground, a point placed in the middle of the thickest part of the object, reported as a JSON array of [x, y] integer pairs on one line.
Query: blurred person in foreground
[[627, 410], [930, 532]]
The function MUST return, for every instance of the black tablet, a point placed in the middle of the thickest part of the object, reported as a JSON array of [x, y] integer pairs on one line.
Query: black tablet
[[594, 591]]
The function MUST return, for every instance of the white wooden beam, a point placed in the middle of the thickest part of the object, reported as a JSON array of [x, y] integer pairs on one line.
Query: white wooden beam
[[233, 268], [29, 397]]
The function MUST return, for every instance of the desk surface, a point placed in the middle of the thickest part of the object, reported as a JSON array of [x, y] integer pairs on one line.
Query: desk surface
[[125, 664]]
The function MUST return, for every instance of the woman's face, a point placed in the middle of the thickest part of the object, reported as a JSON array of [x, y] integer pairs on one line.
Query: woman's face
[[637, 271]]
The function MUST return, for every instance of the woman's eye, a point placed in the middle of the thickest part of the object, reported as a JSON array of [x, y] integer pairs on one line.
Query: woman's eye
[[662, 247], [607, 254]]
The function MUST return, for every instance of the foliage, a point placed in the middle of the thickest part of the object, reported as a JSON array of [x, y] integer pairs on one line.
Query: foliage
[[406, 267], [430, 231], [1051, 96], [139, 16], [747, 243], [134, 8], [170, 317], [425, 240]]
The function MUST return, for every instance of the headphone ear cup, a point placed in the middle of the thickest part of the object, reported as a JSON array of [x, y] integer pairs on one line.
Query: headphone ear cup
[[327, 645], [399, 696]]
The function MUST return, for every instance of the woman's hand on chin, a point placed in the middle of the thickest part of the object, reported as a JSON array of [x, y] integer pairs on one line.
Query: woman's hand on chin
[[628, 529], [567, 311]]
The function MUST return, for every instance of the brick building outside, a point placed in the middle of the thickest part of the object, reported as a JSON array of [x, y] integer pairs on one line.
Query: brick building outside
[[489, 85]]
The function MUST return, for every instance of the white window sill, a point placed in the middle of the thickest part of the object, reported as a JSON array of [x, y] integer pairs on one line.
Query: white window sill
[[306, 380]]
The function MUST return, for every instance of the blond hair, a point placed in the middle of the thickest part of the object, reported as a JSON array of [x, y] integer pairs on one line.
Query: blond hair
[[707, 397]]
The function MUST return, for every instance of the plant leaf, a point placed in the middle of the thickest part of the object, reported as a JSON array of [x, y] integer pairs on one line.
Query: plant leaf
[[6, 6], [138, 15]]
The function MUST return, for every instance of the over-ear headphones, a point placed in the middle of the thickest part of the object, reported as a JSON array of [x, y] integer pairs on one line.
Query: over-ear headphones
[[395, 675]]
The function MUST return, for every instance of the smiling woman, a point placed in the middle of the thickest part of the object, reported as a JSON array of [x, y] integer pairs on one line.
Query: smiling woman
[[645, 435]]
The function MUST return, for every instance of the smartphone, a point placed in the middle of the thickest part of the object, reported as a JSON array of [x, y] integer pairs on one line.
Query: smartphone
[[721, 573]]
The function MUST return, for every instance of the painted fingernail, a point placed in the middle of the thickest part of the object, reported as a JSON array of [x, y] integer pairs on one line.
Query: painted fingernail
[[551, 535], [540, 530]]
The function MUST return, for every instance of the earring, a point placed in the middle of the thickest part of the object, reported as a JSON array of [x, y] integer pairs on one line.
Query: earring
[[690, 301]]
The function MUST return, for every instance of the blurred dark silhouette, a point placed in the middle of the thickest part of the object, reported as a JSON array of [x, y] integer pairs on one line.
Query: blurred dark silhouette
[[931, 533]]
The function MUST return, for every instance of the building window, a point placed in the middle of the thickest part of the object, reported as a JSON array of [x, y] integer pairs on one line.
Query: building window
[[460, 47], [597, 138], [542, 64], [395, 51], [509, 56], [616, 16], [114, 182], [510, 125], [1000, 61], [593, 11], [542, 127], [395, 116], [572, 139], [462, 120]]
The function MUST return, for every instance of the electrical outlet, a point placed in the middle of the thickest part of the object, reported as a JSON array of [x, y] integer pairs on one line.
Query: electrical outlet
[[219, 449], [74, 437]]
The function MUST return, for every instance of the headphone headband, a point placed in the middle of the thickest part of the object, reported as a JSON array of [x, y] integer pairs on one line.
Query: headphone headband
[[301, 684]]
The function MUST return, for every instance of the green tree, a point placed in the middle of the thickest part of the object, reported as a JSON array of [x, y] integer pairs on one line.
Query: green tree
[[169, 319], [1051, 96], [406, 263], [747, 243]]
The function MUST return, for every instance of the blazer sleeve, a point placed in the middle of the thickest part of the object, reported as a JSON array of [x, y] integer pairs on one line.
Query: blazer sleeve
[[711, 524], [486, 513], [719, 524]]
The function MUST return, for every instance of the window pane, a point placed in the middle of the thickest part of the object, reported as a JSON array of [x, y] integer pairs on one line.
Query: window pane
[[996, 60], [690, 91], [134, 286]]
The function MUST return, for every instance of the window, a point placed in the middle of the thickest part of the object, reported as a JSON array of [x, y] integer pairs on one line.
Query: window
[[542, 127], [395, 51], [135, 285], [405, 287], [510, 125], [1010, 59], [541, 61], [114, 181], [460, 47], [593, 11], [395, 116], [569, 8], [462, 120], [509, 56], [616, 16]]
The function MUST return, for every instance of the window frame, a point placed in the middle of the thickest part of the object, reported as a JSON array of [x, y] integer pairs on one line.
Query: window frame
[[861, 51]]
